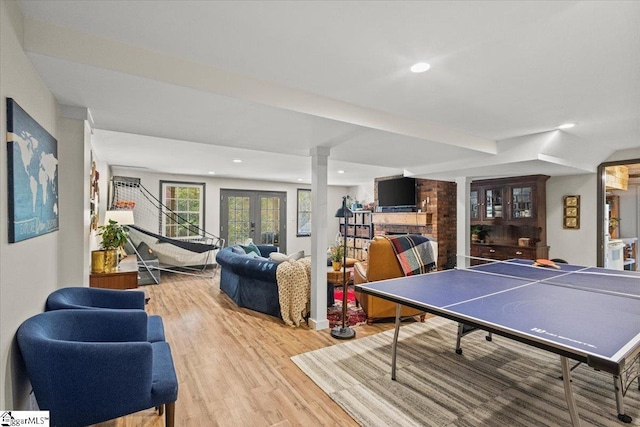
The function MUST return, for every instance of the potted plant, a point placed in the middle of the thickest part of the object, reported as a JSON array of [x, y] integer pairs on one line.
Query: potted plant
[[337, 254], [114, 236], [479, 233], [475, 229]]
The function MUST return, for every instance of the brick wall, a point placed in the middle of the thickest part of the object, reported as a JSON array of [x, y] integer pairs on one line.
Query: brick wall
[[438, 198]]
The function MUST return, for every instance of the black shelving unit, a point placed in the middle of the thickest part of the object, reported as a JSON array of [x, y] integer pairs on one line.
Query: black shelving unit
[[359, 232]]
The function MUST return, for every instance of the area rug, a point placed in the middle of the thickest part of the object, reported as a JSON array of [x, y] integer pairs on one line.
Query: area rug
[[355, 313], [497, 383]]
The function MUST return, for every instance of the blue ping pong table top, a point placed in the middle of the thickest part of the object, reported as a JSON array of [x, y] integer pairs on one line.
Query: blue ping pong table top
[[595, 314]]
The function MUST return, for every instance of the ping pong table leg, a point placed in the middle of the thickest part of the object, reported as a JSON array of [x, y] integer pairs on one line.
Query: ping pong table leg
[[394, 346], [617, 384], [568, 392]]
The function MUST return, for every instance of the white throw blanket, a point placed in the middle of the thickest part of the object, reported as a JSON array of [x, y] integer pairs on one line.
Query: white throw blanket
[[294, 290]]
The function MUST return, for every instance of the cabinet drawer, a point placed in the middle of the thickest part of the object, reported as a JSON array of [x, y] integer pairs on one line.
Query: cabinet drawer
[[521, 253], [493, 252]]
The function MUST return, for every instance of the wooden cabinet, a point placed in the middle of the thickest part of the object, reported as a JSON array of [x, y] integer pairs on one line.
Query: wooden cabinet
[[508, 199], [359, 232], [502, 252], [126, 277], [510, 209]]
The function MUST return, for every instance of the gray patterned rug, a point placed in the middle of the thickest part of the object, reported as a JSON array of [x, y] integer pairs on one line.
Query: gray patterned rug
[[498, 383]]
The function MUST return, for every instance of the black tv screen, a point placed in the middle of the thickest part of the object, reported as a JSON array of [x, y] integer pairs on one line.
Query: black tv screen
[[397, 192]]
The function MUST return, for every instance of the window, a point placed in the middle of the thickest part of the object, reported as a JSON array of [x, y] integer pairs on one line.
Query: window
[[304, 213], [182, 210]]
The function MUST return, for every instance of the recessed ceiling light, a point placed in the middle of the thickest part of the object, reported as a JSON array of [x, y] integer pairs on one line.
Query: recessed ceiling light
[[420, 67], [340, 171], [212, 173], [566, 126], [237, 161]]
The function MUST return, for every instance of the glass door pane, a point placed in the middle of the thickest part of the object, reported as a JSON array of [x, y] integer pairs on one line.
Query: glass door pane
[[521, 203], [239, 223], [493, 203], [269, 220], [475, 205]]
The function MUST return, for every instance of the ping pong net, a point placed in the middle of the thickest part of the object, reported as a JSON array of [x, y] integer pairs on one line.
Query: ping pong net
[[620, 283]]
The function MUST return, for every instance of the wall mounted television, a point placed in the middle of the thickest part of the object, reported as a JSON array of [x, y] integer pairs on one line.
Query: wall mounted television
[[397, 192]]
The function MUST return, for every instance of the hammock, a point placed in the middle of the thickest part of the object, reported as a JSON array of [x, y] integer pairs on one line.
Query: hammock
[[198, 247], [176, 255]]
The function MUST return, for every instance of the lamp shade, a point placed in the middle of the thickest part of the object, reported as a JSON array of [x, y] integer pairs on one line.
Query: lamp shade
[[344, 212], [121, 217]]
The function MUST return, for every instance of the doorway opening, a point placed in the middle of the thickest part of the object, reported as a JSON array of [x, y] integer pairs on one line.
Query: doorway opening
[[618, 215]]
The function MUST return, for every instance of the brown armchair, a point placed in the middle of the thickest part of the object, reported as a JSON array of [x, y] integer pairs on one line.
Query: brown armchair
[[382, 263]]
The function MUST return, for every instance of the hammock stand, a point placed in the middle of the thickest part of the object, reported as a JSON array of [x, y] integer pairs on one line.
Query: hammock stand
[[189, 256]]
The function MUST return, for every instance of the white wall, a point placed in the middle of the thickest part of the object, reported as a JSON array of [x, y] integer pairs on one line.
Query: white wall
[[151, 181], [28, 269], [576, 246], [363, 193]]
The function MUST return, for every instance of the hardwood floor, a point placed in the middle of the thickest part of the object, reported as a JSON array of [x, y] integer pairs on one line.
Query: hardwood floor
[[233, 364]]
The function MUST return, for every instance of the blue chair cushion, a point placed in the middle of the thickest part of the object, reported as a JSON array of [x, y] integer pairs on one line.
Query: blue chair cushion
[[155, 329]]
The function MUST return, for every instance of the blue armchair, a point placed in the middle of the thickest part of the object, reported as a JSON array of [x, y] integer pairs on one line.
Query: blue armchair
[[90, 366], [97, 298]]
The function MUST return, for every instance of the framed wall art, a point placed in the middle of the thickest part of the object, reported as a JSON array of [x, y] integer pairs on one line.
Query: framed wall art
[[571, 217], [32, 155]]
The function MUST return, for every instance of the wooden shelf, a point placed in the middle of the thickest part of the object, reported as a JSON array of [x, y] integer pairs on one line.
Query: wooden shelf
[[403, 218]]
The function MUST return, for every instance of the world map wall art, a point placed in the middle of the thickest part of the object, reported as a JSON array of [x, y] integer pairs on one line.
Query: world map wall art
[[33, 176]]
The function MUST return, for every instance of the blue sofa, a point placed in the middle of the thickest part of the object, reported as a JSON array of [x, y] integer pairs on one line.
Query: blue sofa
[[250, 282]]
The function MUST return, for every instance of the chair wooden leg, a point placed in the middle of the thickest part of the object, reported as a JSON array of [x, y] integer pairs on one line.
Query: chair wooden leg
[[422, 317], [160, 409], [169, 418]]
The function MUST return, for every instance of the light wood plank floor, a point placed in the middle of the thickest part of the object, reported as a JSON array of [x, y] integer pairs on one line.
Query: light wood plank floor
[[233, 364]]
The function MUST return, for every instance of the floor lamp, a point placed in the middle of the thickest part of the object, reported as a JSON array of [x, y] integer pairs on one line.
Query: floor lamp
[[344, 332]]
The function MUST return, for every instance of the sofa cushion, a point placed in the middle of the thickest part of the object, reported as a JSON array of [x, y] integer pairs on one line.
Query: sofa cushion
[[279, 257], [252, 254], [236, 249], [251, 247]]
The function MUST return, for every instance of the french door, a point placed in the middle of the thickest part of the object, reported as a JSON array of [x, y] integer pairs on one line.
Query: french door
[[259, 215]]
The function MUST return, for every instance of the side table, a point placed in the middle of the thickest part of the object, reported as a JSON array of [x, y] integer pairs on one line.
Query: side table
[[126, 277], [336, 277]]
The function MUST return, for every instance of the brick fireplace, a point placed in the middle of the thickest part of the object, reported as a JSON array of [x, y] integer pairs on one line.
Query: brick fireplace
[[437, 201]]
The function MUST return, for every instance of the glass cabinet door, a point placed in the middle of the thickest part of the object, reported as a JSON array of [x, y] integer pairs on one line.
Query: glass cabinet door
[[521, 203], [475, 205], [493, 203]]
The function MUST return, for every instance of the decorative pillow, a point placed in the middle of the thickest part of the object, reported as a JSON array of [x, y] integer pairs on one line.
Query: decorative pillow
[[253, 255], [251, 247], [280, 257], [236, 249]]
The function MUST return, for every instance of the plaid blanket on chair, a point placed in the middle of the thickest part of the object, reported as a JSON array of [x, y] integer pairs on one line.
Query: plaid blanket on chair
[[414, 253]]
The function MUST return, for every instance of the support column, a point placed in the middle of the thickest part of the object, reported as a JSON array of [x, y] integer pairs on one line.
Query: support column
[[74, 152], [463, 207], [319, 170]]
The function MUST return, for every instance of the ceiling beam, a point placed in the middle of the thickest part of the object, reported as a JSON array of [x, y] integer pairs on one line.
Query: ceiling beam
[[85, 48]]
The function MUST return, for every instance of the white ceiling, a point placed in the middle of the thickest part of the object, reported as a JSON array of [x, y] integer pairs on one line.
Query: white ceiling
[[187, 86]]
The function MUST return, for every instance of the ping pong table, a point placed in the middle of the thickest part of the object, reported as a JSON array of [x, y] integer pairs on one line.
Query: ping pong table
[[588, 314]]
